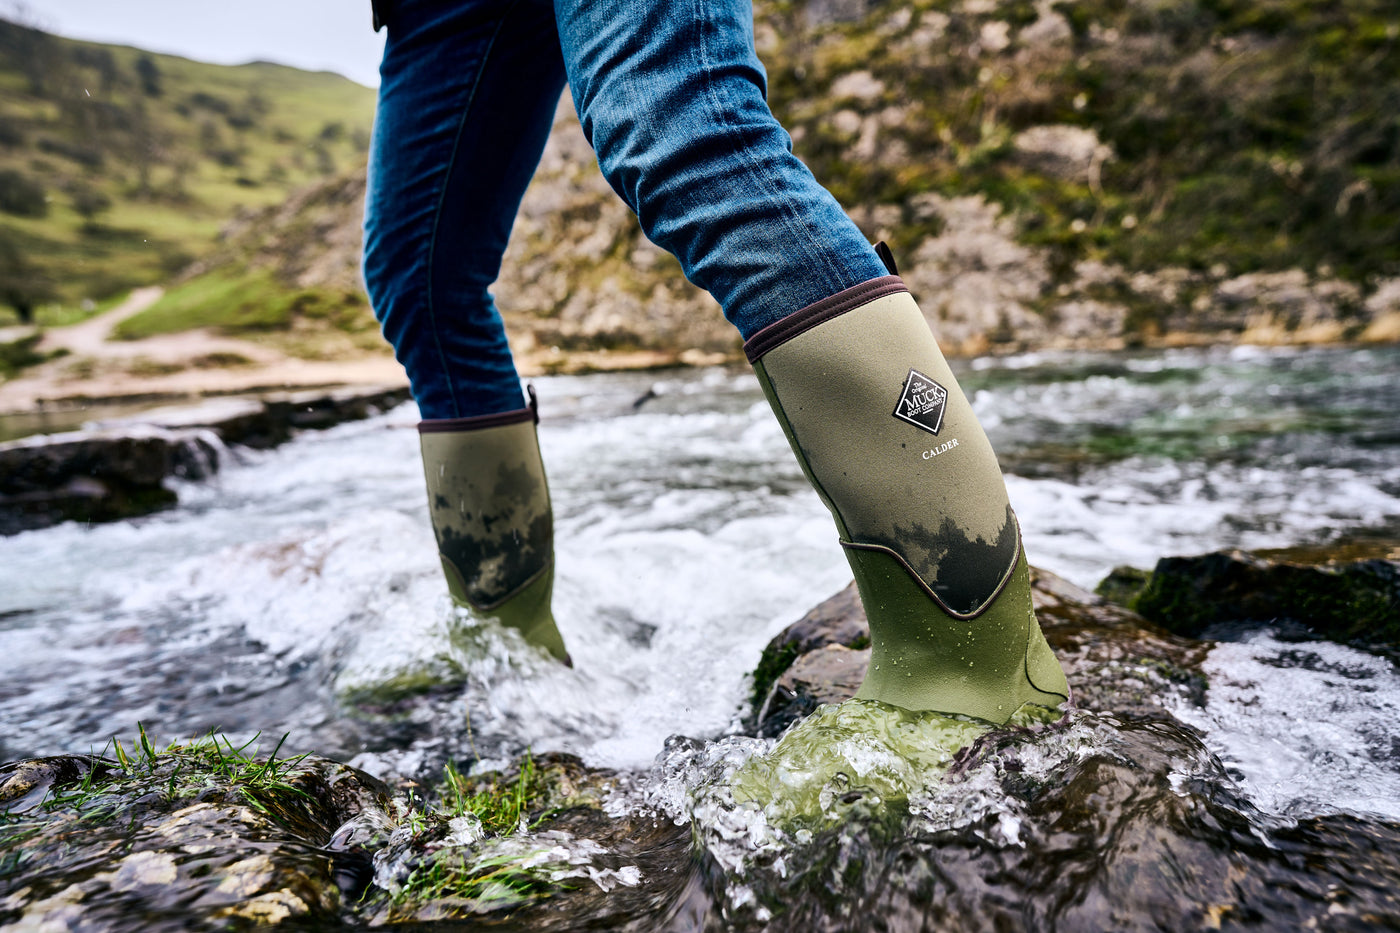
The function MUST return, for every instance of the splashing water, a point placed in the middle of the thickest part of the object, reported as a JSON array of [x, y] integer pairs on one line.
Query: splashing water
[[853, 752], [299, 590]]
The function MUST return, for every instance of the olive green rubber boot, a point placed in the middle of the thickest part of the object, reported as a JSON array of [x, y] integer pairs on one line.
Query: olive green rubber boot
[[893, 448], [489, 505]]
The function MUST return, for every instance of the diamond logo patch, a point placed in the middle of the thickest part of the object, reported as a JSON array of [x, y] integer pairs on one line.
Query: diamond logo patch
[[922, 403]]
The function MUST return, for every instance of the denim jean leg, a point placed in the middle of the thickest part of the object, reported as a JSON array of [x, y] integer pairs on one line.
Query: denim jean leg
[[467, 97], [672, 97]]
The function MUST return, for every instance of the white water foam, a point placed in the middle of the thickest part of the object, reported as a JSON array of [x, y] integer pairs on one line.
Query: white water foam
[[1310, 727]]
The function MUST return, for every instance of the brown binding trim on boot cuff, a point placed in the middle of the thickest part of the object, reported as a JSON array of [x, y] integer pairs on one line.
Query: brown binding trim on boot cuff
[[780, 332], [444, 425]]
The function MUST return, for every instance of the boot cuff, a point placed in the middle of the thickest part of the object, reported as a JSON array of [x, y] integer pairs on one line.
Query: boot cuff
[[781, 331], [530, 412]]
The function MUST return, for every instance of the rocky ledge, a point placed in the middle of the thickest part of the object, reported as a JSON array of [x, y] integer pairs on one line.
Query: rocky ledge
[[119, 469], [1115, 817]]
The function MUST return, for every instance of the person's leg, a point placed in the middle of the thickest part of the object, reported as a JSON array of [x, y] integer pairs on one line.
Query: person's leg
[[468, 97], [671, 96], [466, 102]]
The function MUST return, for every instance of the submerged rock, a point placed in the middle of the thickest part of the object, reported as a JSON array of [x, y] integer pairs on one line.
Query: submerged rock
[[1347, 593], [272, 419], [1096, 823], [1115, 817]]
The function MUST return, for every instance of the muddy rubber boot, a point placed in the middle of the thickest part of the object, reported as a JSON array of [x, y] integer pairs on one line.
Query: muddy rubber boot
[[489, 505], [893, 448]]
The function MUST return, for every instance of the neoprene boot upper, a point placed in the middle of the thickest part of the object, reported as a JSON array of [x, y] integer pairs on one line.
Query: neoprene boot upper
[[490, 510], [885, 435]]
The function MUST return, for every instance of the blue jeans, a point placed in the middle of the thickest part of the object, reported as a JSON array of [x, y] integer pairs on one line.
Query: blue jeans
[[672, 98]]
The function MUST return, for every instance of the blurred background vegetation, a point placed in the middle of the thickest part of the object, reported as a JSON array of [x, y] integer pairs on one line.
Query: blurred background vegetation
[[1208, 138], [119, 167]]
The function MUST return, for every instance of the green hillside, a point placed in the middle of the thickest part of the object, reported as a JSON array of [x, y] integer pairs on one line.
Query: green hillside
[[118, 166]]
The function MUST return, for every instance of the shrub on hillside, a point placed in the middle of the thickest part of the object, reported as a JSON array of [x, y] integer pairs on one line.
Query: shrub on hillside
[[89, 202], [21, 196], [10, 135]]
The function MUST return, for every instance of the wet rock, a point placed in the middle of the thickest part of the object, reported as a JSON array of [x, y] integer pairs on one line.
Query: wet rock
[[838, 621], [1115, 659], [89, 844], [187, 839], [118, 469], [573, 861], [1100, 823], [270, 419], [1349, 593], [95, 476], [828, 674], [1115, 817], [25, 784]]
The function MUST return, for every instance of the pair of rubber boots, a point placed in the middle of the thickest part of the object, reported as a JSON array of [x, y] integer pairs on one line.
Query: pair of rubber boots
[[891, 445]]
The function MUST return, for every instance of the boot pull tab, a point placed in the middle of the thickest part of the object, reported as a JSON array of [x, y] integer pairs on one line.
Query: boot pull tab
[[886, 257]]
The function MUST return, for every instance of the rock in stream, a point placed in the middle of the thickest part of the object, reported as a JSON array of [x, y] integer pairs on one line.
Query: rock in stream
[[1349, 593], [119, 469], [1113, 816]]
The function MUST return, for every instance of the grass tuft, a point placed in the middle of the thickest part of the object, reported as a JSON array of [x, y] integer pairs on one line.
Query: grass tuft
[[501, 807], [493, 876], [494, 883], [182, 770]]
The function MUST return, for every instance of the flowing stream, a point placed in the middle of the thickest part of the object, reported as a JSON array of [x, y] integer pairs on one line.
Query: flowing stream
[[298, 591]]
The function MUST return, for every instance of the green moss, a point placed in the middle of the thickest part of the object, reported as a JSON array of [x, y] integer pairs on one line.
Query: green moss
[[860, 755], [771, 665], [1349, 602], [1123, 585]]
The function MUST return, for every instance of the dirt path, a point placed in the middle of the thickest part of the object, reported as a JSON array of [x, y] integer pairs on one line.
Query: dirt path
[[88, 337], [198, 362], [182, 365]]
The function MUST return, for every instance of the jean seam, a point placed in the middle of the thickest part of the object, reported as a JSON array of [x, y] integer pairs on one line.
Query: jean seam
[[734, 134], [442, 199]]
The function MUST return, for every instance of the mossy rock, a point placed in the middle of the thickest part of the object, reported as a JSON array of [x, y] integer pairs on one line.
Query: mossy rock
[[1351, 594], [1123, 585], [197, 837]]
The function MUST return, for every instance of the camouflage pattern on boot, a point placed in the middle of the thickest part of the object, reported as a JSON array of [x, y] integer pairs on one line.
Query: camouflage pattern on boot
[[490, 511], [885, 435]]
